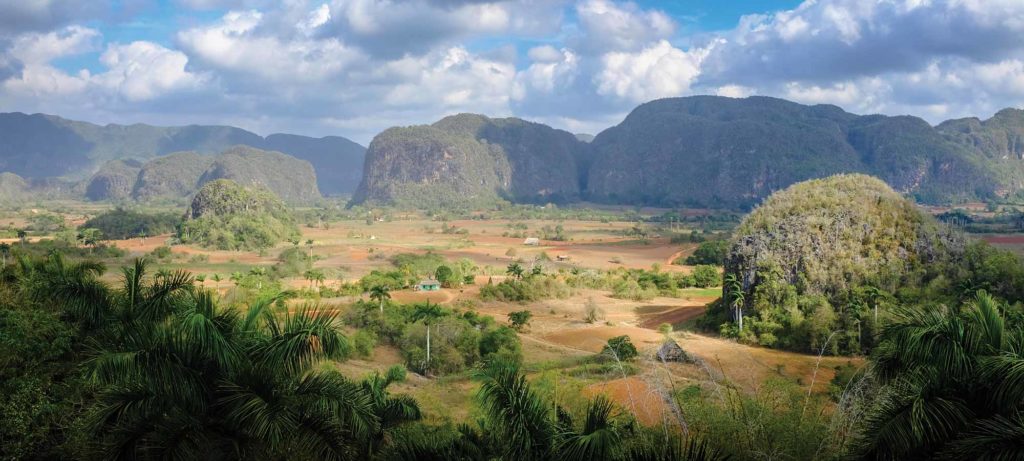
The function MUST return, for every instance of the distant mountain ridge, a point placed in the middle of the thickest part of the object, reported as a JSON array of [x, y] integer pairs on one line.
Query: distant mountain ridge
[[45, 146], [181, 174], [700, 151]]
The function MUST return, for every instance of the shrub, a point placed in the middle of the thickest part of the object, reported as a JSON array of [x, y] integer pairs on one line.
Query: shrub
[[705, 276], [161, 252], [363, 342], [711, 252], [519, 319], [591, 311], [621, 348], [123, 224]]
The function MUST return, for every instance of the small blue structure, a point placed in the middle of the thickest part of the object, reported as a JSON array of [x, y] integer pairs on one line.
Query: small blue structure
[[428, 285]]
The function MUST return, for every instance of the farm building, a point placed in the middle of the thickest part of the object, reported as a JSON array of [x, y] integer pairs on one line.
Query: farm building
[[428, 285], [531, 241]]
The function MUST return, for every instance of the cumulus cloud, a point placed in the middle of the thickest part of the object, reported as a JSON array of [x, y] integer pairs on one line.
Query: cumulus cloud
[[609, 25], [237, 44], [822, 41], [142, 71], [355, 67], [394, 28], [658, 71]]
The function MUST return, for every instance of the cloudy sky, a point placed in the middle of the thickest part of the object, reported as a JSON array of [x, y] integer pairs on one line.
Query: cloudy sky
[[355, 67]]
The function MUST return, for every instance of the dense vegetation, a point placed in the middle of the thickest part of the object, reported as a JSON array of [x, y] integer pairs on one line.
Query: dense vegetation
[[227, 216], [820, 266], [724, 152], [156, 369], [121, 223]]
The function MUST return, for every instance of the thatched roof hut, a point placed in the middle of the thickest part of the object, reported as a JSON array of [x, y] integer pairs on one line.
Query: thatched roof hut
[[671, 352]]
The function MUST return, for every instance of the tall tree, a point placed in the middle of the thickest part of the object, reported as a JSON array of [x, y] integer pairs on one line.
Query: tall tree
[[380, 293], [428, 314]]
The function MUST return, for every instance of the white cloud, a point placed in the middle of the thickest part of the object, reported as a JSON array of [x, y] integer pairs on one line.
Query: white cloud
[[621, 26], [550, 70], [142, 71], [36, 48], [658, 71], [450, 80], [237, 44]]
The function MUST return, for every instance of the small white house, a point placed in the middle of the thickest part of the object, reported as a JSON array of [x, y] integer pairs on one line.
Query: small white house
[[533, 241]]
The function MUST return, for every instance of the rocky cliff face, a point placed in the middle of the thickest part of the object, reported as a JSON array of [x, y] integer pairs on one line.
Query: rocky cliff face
[[713, 151], [471, 159]]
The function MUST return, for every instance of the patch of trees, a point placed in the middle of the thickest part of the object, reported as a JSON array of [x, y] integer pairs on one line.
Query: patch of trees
[[433, 339], [122, 223], [711, 252]]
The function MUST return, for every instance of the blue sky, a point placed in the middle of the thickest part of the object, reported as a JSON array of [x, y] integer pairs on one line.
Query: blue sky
[[355, 67]]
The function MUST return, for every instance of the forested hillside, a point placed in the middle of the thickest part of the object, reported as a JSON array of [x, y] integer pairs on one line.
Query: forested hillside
[[179, 175], [471, 159], [700, 151], [724, 152], [39, 146]]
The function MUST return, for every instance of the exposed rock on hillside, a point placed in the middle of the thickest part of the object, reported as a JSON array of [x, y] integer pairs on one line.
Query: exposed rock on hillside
[[471, 159], [114, 181]]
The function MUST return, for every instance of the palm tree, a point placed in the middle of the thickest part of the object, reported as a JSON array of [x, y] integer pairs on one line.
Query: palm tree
[[258, 272], [309, 243], [522, 425], [737, 297], [952, 385], [380, 293], [216, 279], [5, 250], [236, 277], [391, 411], [197, 380], [22, 236], [72, 287], [516, 270], [428, 313]]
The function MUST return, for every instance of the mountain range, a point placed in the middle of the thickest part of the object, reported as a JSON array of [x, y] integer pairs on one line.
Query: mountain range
[[700, 151], [45, 146]]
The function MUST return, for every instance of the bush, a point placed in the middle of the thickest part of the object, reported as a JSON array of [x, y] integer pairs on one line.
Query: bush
[[519, 319], [363, 342], [161, 252], [123, 224], [621, 348], [705, 276], [591, 311], [711, 252]]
